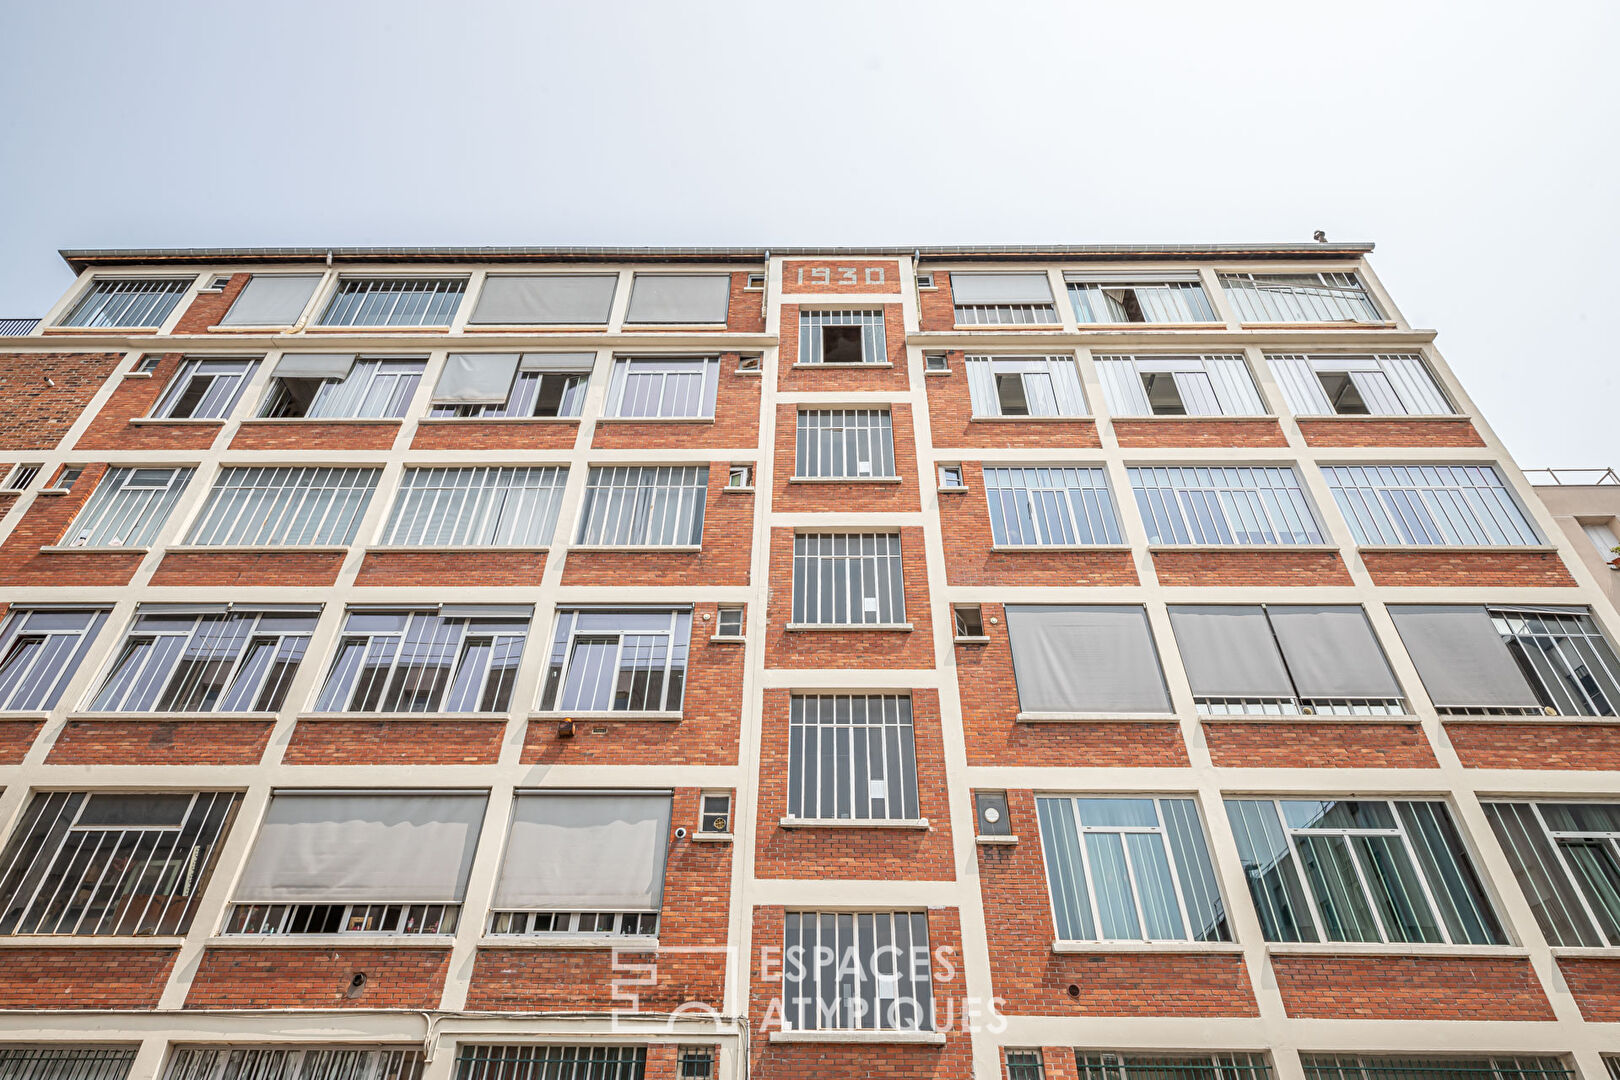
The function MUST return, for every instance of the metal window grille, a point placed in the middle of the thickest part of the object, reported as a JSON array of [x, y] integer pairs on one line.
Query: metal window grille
[[696, 1062], [131, 302], [66, 1063], [551, 1063], [128, 507], [663, 387], [425, 661], [284, 506], [1371, 871], [1024, 386], [22, 475], [644, 505], [851, 756], [533, 393], [511, 506], [1382, 384], [844, 443], [1140, 302], [1044, 505], [1563, 654], [40, 649], [343, 919], [1130, 870], [848, 579], [812, 339], [618, 660], [394, 302], [1188, 1067], [1566, 856], [274, 1063], [18, 327], [1292, 298], [1331, 1067], [1201, 385], [1006, 314], [204, 390], [111, 864], [574, 923], [1429, 504], [374, 389], [1024, 1065], [231, 660], [857, 971], [1224, 506]]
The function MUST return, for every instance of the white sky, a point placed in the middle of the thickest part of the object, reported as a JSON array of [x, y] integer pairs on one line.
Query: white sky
[[1475, 143]]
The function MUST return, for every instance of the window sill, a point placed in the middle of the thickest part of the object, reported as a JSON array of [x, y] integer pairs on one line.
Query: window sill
[[1082, 948], [1028, 419], [654, 420], [947, 371], [1307, 718], [1137, 326], [977, 639], [105, 549], [529, 328], [568, 941], [712, 838], [1096, 717], [179, 717], [915, 1038], [635, 547], [1452, 549], [905, 628], [242, 328], [843, 479], [1243, 547], [666, 717], [956, 489], [845, 367], [137, 374], [403, 328], [182, 420], [97, 331], [852, 823], [346, 941], [997, 328], [85, 941], [1532, 718], [376, 715], [52, 491], [372, 420], [498, 420], [1037, 548], [728, 490], [1338, 324], [1583, 952], [727, 639], [992, 840], [226, 549], [1359, 418], [25, 714], [405, 548], [1191, 419], [1378, 948], [657, 328]]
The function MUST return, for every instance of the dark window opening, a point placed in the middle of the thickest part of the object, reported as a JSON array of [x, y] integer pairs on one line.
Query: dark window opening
[[1344, 394], [1164, 397], [1010, 393], [293, 397], [841, 345], [1124, 305]]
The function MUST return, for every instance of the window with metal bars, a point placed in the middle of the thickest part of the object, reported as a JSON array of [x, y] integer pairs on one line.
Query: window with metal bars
[[1456, 505], [575, 923], [1385, 384], [1209, 385], [204, 389], [551, 1062], [618, 660], [460, 659], [842, 337], [1025, 1065], [288, 1063], [644, 506], [373, 389], [847, 970], [1570, 666], [140, 302], [1180, 1067], [128, 507], [844, 443], [1130, 870], [1566, 857], [66, 1062], [284, 507], [533, 393], [1301, 298], [697, 1062], [1214, 505], [111, 863], [40, 649], [1361, 870], [660, 387], [848, 579], [509, 506], [1139, 301], [1048, 505], [851, 757], [207, 658], [1483, 1067], [1024, 386], [386, 919], [22, 474], [394, 302]]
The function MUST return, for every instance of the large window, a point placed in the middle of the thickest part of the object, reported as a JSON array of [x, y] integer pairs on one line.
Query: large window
[[1138, 298], [1566, 857], [1024, 386], [1002, 299], [850, 579], [1375, 871], [506, 506], [457, 659], [545, 300], [1124, 869], [1386, 384], [111, 863], [394, 302], [679, 299], [841, 337], [136, 303], [1300, 298], [40, 649], [359, 862], [532, 1061], [207, 658], [287, 1062], [618, 660], [543, 384], [316, 386], [1214, 505], [284, 507], [862, 970], [66, 1062], [663, 387], [844, 444], [1085, 658], [851, 757], [1459, 505], [128, 507], [1179, 386], [271, 300], [204, 389], [1494, 1067], [644, 505], [1046, 505]]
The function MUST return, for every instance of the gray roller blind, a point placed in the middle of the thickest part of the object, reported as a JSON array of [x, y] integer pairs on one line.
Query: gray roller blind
[[476, 378], [1461, 658], [336, 847], [1332, 652], [1228, 651], [314, 365], [486, 611], [572, 361], [1000, 289], [579, 851], [1085, 659], [679, 298], [571, 299], [271, 300]]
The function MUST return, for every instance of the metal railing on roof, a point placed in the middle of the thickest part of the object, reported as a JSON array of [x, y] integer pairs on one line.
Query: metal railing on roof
[[1596, 476], [17, 327]]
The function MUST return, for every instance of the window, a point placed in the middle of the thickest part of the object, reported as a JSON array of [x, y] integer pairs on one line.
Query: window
[[730, 623], [284, 507], [644, 505], [67, 476], [1178, 386], [554, 879], [618, 660], [1002, 299], [1511, 660], [111, 863], [1566, 857], [207, 658], [1601, 533], [842, 337], [856, 971], [204, 389], [1376, 871], [1300, 298], [990, 809], [136, 303], [1046, 505], [936, 362], [844, 444], [66, 1062], [394, 302], [548, 1062], [951, 478], [284, 1063], [545, 385], [673, 388], [1085, 659], [715, 818], [1024, 1065], [1160, 298], [1456, 505], [503, 506], [315, 386], [458, 659], [23, 474], [217, 283], [740, 478], [756, 281], [679, 298], [545, 300], [1024, 386], [1334, 1067], [1387, 384], [271, 300], [925, 279], [128, 507], [1224, 506], [848, 579], [851, 757], [1182, 1067], [359, 862], [749, 365], [968, 620], [40, 649], [147, 364], [1284, 660]]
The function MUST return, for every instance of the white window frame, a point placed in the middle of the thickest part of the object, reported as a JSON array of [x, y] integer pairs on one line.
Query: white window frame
[[224, 396], [1256, 501], [129, 507], [177, 288], [284, 506], [902, 973], [1208, 384], [838, 438], [643, 506], [868, 741], [482, 506], [452, 640], [813, 321], [815, 559], [1050, 385], [675, 642], [1389, 384], [398, 378], [340, 289], [1430, 505], [1055, 519], [670, 400], [45, 671]]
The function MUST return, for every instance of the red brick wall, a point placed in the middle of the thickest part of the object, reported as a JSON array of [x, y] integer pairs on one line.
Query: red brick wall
[[532, 434], [840, 377], [745, 311], [951, 423], [1595, 985], [844, 276], [856, 496], [1250, 568], [38, 414], [45, 523], [1057, 1063], [315, 435], [1457, 431], [936, 310], [207, 308], [303, 977], [467, 568], [1492, 569], [395, 742], [1318, 744], [161, 742], [231, 569], [728, 529], [16, 736], [1410, 988], [855, 853], [1590, 745], [1205, 431], [94, 978], [735, 424], [134, 398]]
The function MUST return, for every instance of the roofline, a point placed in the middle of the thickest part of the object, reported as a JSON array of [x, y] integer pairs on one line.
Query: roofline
[[81, 258]]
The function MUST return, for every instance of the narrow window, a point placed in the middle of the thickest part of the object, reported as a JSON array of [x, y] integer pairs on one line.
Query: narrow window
[[1024, 386], [716, 813], [259, 1063], [40, 649], [740, 477], [676, 388], [730, 621], [1050, 506], [136, 303], [284, 507], [22, 475], [841, 337], [851, 757], [936, 362], [990, 808], [1601, 533], [968, 620], [848, 579], [618, 660], [314, 387], [394, 302], [844, 443], [1224, 506], [1452, 505], [951, 478], [148, 363], [873, 971], [204, 390], [457, 659], [1301, 298], [505, 506], [67, 476], [756, 281], [644, 505], [696, 1063]]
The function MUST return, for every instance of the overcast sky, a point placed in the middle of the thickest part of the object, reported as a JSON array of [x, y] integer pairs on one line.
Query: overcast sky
[[1475, 143]]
